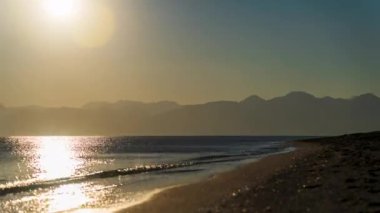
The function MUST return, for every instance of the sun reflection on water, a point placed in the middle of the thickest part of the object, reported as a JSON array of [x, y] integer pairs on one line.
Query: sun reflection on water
[[56, 158], [68, 197], [47, 179]]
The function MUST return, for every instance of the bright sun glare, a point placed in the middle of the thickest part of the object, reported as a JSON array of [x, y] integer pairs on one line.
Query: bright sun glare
[[61, 9], [90, 23]]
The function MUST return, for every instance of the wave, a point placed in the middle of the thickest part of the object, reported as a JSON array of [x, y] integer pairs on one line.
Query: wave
[[246, 154], [17, 187], [27, 186], [181, 171]]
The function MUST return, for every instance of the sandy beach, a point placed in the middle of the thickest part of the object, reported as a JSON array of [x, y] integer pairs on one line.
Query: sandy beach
[[322, 175]]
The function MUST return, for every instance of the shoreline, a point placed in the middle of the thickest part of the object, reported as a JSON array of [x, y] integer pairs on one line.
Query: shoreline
[[221, 187], [335, 174]]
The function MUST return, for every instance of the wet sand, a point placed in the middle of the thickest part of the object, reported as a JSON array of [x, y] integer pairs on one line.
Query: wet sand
[[322, 175]]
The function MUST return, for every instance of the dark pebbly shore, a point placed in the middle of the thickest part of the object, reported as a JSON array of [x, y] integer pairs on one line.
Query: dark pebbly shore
[[343, 176], [335, 174]]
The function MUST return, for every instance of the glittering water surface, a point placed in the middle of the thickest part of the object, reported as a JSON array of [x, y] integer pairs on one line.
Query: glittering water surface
[[52, 174]]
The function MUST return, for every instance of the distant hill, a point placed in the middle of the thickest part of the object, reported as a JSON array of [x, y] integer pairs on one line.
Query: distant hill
[[297, 113]]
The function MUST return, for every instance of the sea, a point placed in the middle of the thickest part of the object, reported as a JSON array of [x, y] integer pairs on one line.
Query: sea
[[101, 174]]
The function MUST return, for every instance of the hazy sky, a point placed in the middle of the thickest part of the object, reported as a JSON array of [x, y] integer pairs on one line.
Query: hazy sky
[[188, 51]]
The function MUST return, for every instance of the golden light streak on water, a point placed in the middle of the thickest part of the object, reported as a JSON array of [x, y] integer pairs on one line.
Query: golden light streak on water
[[68, 197], [56, 158]]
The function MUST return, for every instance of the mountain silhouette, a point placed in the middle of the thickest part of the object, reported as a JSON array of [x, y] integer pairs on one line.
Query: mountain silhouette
[[297, 113]]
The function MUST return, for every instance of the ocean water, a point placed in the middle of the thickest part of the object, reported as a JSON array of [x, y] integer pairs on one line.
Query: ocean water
[[54, 174]]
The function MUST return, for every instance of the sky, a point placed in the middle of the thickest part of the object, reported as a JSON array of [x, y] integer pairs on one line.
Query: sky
[[58, 54]]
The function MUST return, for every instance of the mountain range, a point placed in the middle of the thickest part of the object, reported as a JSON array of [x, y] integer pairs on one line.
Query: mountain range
[[297, 113]]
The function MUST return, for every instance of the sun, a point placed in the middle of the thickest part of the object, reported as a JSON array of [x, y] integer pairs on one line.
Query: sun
[[89, 23], [62, 10]]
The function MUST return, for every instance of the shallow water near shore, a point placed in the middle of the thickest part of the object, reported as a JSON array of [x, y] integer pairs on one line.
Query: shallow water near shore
[[52, 174]]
